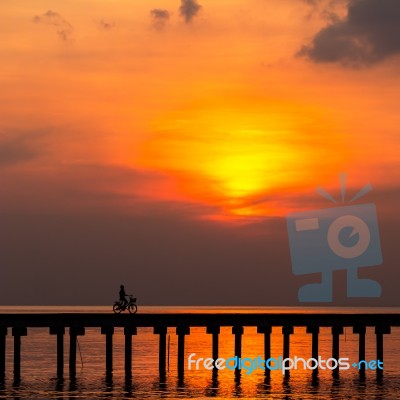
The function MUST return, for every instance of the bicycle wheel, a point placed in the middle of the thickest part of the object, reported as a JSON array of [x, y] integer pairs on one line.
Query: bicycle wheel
[[132, 308], [117, 308]]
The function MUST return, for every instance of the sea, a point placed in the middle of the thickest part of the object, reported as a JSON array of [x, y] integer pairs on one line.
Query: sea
[[39, 380]]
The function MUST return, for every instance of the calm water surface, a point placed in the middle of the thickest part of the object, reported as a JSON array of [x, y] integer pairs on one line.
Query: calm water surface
[[39, 363]]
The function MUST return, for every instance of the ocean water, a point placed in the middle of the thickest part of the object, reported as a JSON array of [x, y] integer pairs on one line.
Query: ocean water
[[38, 363]]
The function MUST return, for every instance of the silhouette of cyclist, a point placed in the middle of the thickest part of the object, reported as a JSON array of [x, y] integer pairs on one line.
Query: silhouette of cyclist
[[122, 296]]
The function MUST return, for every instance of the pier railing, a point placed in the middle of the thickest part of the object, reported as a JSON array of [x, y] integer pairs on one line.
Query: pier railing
[[75, 324]]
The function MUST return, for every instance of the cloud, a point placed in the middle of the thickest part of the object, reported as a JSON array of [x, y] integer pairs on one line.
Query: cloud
[[17, 148], [189, 9], [106, 25], [368, 34], [166, 256], [326, 9], [63, 27], [160, 17]]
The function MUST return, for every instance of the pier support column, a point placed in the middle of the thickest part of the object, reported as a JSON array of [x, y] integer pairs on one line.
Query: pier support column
[[181, 331], [286, 331], [3, 334], [59, 331], [336, 331], [129, 331], [314, 330], [238, 332], [17, 333], [73, 333], [109, 332], [379, 332], [361, 330], [266, 330], [214, 331], [162, 347]]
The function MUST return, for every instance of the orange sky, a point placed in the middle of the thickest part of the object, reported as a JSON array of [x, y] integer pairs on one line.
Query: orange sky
[[161, 143], [98, 101]]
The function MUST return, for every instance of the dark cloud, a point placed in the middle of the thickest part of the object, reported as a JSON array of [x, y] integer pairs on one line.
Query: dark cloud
[[166, 259], [326, 9], [160, 13], [85, 187], [63, 27], [369, 34], [17, 148], [189, 9], [160, 17], [106, 25]]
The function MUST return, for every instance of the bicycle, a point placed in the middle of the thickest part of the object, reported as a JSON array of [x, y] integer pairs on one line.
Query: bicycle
[[131, 306]]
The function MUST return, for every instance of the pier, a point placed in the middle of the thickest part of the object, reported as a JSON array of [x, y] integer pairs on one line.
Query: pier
[[74, 325]]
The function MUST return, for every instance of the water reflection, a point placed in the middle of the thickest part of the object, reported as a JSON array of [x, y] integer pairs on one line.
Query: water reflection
[[108, 389], [160, 386], [380, 388], [128, 388], [360, 383], [264, 387], [287, 390], [237, 391], [73, 387], [16, 381], [180, 382], [212, 389], [315, 380], [362, 376], [183, 389], [16, 389], [59, 385], [335, 387], [214, 384]]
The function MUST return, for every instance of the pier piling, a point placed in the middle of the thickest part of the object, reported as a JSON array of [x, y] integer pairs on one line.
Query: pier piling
[[214, 331], [59, 332], [17, 332], [314, 330], [129, 331], [336, 331], [109, 332], [379, 332], [361, 330], [286, 331], [238, 332], [181, 331], [3, 334], [74, 332], [161, 322], [162, 347], [266, 330]]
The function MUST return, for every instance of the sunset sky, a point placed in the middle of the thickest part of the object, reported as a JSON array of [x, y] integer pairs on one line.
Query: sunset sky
[[162, 142]]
